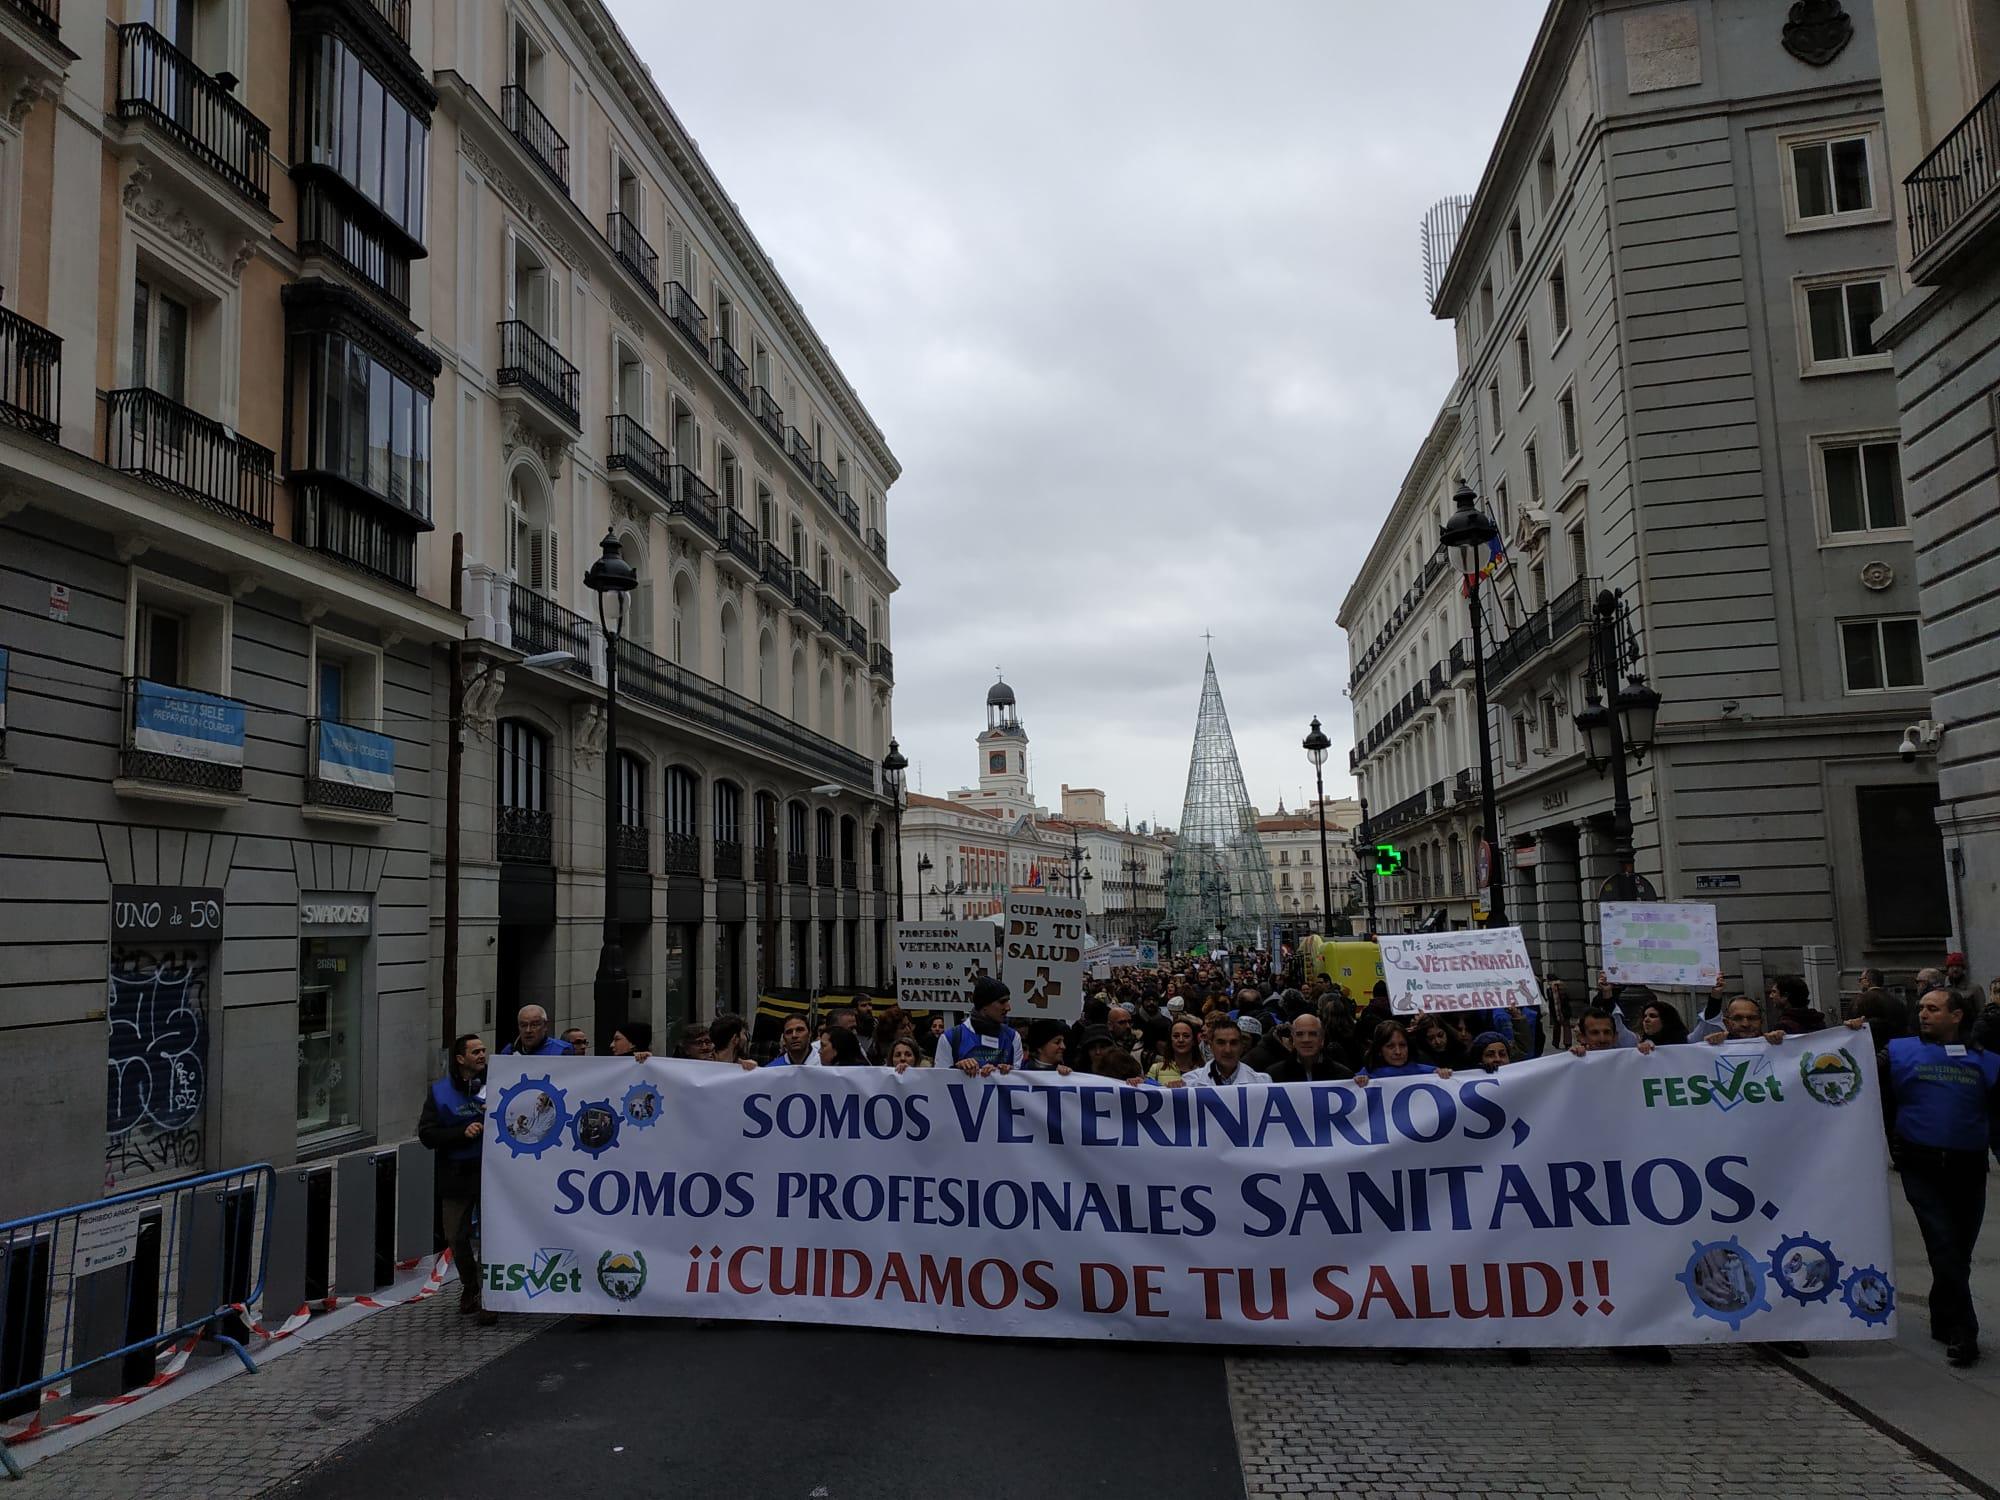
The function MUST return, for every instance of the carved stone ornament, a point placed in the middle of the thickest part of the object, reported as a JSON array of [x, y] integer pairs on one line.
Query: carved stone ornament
[[625, 508], [178, 226], [517, 435], [28, 92], [522, 204], [1877, 575], [622, 310], [1818, 31], [588, 735]]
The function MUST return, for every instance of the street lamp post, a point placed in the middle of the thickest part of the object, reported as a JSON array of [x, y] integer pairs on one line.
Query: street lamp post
[[1623, 727], [612, 579], [924, 867], [1316, 746], [1468, 533], [1364, 860], [894, 764]]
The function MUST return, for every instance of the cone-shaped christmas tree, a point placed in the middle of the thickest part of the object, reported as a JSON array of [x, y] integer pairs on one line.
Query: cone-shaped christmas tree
[[1220, 885]]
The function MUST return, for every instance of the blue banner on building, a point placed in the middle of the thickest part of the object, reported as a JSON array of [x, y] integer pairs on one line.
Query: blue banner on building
[[355, 757], [188, 724]]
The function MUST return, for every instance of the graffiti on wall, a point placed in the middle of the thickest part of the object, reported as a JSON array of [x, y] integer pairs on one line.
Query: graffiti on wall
[[158, 1063]]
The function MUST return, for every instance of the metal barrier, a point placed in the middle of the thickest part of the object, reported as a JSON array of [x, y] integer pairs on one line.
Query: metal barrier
[[90, 1293]]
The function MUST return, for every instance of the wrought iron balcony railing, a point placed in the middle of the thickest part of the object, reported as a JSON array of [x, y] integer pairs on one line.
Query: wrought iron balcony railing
[[1548, 626], [531, 362], [768, 413], [44, 14], [30, 376], [630, 848], [775, 569], [741, 538], [795, 869], [524, 836], [1960, 174], [537, 133], [694, 499], [397, 14], [729, 365], [765, 867], [182, 737], [728, 859], [160, 85], [806, 592], [878, 544], [350, 769], [634, 451], [849, 511], [632, 251], [823, 871], [540, 624], [192, 455], [687, 315], [883, 662], [850, 875], [799, 450], [683, 850]]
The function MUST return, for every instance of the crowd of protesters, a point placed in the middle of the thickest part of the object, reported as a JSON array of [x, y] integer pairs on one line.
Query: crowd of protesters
[[1219, 1023]]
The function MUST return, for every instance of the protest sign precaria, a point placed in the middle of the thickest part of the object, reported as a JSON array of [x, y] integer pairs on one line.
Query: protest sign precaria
[[1481, 968]]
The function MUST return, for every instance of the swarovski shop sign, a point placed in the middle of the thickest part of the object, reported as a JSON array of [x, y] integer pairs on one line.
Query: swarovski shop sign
[[336, 914]]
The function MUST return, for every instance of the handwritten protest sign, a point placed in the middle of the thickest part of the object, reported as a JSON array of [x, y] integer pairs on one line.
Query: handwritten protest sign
[[1618, 1198], [1660, 943], [1041, 955], [1479, 969], [936, 963]]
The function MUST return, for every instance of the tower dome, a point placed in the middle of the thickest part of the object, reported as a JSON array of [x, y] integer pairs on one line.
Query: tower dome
[[1000, 696]]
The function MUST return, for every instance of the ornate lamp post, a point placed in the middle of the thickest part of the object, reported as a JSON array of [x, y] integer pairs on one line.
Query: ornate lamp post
[[1625, 727], [1466, 535], [924, 867], [894, 764], [612, 579]]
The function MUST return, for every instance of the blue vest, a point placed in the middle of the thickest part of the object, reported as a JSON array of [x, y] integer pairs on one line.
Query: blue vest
[[1942, 1102], [453, 1103], [551, 1047], [968, 1042]]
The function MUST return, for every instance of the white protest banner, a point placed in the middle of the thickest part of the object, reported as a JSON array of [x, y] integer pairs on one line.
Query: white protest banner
[[1482, 968], [1689, 1195], [1041, 955], [936, 963], [1663, 943]]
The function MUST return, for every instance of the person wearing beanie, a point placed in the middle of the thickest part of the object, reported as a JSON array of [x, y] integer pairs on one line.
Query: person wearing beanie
[[1491, 1051], [1046, 1038], [633, 1039], [983, 1043]]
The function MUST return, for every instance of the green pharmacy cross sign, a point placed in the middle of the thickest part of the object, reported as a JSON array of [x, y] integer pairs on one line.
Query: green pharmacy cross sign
[[1388, 860]]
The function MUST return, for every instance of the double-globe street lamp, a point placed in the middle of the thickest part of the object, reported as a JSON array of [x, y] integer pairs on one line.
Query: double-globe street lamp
[[1623, 727], [1467, 535], [1316, 746], [924, 867], [612, 579]]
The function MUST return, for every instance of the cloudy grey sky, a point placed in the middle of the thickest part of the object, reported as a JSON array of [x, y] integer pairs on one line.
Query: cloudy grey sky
[[1133, 287]]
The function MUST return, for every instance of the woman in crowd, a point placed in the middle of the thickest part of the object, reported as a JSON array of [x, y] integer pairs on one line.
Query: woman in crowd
[[1432, 1044], [1183, 1054], [633, 1039], [1661, 1024], [840, 1048], [1389, 1056], [1047, 1038], [1491, 1051], [903, 1055]]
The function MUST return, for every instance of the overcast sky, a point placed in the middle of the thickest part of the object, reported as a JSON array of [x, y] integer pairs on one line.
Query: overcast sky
[[1134, 290]]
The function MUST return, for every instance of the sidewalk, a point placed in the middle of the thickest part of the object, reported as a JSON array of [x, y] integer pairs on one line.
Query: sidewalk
[[1907, 1386], [248, 1433]]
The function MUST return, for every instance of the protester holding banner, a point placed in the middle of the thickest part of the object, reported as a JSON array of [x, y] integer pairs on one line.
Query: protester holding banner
[[1048, 1039], [633, 1039], [1309, 1062], [841, 1048], [983, 1043], [1941, 1097], [1183, 1054], [795, 1046], [1743, 1021], [1226, 1068], [1661, 1024], [451, 1124], [531, 1035], [1389, 1056], [903, 1055]]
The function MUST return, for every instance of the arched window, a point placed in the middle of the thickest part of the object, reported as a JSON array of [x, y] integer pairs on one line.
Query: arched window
[[767, 669], [683, 826], [795, 843], [534, 553], [822, 847], [826, 724], [523, 828], [728, 831], [730, 641], [875, 855], [767, 837], [850, 833], [801, 704], [850, 717], [631, 841], [686, 626]]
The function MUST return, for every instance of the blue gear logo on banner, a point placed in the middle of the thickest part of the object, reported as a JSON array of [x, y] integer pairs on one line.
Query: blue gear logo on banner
[[642, 1105], [531, 1116], [1725, 1282], [593, 1129], [1869, 1296], [1806, 1269]]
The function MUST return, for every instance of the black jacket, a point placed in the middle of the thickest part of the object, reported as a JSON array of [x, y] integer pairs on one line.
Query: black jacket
[[1326, 1070]]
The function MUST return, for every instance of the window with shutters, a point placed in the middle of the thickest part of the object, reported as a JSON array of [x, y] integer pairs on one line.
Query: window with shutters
[[728, 477], [1514, 247], [767, 512], [1579, 554], [1524, 365], [1558, 305], [1486, 303], [1545, 175], [629, 381], [1495, 425], [1531, 457], [534, 554], [1572, 445], [532, 295]]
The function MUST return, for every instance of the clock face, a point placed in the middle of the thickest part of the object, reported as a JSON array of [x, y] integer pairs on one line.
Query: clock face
[[996, 763]]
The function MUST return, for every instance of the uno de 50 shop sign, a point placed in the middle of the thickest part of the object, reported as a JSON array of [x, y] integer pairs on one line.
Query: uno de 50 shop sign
[[178, 911]]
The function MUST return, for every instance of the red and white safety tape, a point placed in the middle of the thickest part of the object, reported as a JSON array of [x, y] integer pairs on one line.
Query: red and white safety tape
[[182, 1352]]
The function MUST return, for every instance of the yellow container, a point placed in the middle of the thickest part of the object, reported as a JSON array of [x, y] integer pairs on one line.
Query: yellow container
[[1355, 966]]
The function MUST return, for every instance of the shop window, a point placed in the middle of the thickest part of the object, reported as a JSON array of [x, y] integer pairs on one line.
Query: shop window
[[332, 971]]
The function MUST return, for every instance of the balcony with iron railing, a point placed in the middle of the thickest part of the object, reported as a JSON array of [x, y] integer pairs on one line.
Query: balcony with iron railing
[[1404, 611], [194, 456], [537, 134], [795, 869], [857, 637], [823, 481], [882, 662], [539, 624], [680, 850], [30, 376], [630, 848], [44, 15], [1954, 194], [636, 462], [850, 875], [630, 249], [524, 836], [729, 365], [396, 13], [823, 871], [879, 545], [181, 739], [1541, 631], [694, 504], [774, 572], [764, 864], [850, 513], [350, 772], [530, 363], [728, 859], [770, 416], [161, 88], [833, 617], [740, 539], [674, 690], [799, 450], [687, 315], [806, 594]]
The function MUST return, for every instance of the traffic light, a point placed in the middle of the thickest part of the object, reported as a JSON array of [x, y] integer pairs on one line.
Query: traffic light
[[1388, 860]]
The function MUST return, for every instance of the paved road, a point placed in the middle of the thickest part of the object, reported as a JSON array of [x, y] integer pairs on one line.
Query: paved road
[[673, 1409]]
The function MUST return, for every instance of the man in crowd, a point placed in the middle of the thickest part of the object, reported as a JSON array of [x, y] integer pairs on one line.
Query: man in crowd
[[795, 1045], [1743, 1021], [983, 1043], [1308, 1062], [1941, 1096], [1154, 1022], [531, 1035], [1796, 1016], [1597, 1031], [846, 1018], [1225, 1068], [451, 1124], [1118, 1021], [578, 1041], [1957, 979]]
